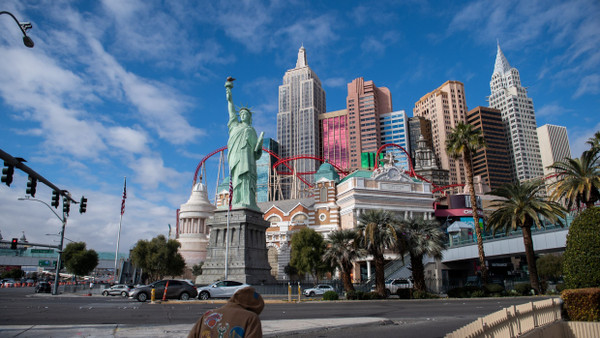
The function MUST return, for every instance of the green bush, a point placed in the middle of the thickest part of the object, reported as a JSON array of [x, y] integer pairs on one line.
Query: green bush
[[372, 295], [330, 295], [403, 293], [494, 289], [523, 289], [360, 295], [478, 294], [560, 287], [463, 292], [582, 304], [351, 295], [416, 294], [581, 266]]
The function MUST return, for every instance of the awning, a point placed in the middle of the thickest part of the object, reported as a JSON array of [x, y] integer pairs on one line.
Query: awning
[[457, 226]]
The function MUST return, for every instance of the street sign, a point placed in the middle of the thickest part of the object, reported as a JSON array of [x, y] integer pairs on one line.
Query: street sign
[[42, 251], [43, 262]]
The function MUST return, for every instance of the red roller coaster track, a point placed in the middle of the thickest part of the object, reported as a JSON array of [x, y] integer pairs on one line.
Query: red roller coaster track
[[290, 171]]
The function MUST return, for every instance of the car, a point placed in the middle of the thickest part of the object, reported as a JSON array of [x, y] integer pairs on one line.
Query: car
[[176, 289], [318, 290], [220, 289], [117, 289], [43, 287], [8, 283]]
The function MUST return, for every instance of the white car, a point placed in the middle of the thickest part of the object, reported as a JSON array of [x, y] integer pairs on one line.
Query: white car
[[393, 285], [220, 289], [116, 290], [318, 290]]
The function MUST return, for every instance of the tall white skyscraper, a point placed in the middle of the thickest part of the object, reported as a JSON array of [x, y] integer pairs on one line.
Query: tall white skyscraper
[[508, 96], [301, 100], [554, 145], [394, 129]]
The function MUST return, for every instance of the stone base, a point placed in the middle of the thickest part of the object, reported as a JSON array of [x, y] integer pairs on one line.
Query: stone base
[[247, 261]]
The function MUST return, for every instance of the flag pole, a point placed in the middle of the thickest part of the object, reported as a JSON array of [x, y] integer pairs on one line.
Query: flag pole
[[227, 229], [120, 223]]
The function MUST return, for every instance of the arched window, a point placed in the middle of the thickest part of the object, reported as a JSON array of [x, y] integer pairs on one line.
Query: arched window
[[300, 218]]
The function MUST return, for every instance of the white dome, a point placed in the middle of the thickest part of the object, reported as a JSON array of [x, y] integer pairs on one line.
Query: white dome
[[198, 205]]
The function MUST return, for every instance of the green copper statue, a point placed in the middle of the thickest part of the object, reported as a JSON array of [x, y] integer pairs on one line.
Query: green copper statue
[[244, 149]]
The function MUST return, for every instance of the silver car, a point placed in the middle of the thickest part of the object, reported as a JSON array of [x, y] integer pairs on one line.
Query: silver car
[[318, 290], [220, 289], [116, 290]]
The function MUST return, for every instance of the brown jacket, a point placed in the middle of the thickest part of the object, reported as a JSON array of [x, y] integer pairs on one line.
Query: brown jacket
[[237, 318]]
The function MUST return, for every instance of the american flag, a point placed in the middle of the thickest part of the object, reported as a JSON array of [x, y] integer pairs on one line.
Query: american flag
[[230, 192], [124, 197]]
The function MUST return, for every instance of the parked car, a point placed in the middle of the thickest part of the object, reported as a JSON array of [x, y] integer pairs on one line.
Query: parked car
[[43, 287], [318, 290], [117, 289], [177, 289], [392, 286], [220, 289], [8, 283]]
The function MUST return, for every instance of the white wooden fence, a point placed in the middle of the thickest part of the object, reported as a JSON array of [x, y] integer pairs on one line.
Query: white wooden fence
[[513, 321]]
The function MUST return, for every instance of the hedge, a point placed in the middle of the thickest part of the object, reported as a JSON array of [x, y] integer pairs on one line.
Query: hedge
[[582, 304]]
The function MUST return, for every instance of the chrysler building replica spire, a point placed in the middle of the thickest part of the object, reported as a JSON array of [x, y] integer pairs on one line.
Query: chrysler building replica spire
[[508, 96], [301, 100]]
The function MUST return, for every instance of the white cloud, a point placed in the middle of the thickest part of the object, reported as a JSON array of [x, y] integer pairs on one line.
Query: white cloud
[[589, 85], [336, 82], [128, 139], [551, 110], [312, 31], [150, 172]]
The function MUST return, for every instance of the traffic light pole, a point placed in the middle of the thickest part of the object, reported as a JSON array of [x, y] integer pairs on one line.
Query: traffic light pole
[[63, 219]]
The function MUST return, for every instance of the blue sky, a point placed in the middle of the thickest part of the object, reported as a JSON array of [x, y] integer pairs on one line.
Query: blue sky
[[135, 88]]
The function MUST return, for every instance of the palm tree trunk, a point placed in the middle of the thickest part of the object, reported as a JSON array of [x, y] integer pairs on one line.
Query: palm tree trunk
[[530, 254], [379, 274], [418, 271], [469, 169], [346, 279]]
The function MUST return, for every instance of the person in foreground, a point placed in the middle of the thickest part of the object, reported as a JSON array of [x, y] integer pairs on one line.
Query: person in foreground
[[237, 318]]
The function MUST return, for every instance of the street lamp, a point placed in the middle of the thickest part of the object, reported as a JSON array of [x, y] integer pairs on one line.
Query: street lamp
[[58, 234], [63, 219], [24, 26]]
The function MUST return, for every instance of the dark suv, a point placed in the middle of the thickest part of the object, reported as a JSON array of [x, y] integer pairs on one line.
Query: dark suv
[[177, 289]]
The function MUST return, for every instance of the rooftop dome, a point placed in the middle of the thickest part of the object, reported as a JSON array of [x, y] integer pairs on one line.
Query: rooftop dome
[[198, 203], [328, 172]]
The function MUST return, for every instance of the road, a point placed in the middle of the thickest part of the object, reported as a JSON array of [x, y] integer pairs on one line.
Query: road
[[406, 318]]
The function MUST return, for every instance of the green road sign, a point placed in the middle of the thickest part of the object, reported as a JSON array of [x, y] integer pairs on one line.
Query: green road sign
[[42, 251], [43, 262]]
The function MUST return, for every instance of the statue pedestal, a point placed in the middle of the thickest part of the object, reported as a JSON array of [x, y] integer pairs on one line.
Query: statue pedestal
[[248, 261]]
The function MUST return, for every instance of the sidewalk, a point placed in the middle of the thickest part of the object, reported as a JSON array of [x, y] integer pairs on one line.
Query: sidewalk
[[271, 328]]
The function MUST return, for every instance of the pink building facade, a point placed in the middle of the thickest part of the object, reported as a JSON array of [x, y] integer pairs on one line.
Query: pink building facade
[[334, 137]]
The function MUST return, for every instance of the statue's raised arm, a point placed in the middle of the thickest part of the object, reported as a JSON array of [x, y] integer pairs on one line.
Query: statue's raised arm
[[231, 107]]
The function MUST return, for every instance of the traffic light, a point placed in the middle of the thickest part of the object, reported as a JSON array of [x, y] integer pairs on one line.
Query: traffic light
[[31, 186], [55, 199], [66, 205], [13, 244], [7, 173], [82, 205]]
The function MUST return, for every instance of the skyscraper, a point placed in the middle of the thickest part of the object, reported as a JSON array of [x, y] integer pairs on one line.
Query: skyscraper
[[419, 126], [445, 107], [265, 180], [394, 129], [508, 96], [365, 103], [334, 137], [554, 145], [301, 100], [492, 163]]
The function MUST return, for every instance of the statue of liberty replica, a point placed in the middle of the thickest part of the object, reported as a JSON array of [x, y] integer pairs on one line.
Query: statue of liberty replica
[[243, 150], [237, 247]]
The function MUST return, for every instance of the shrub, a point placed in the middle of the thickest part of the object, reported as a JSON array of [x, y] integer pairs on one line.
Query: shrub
[[372, 295], [560, 287], [582, 304], [581, 266], [494, 289], [463, 292], [523, 289], [478, 294], [351, 295], [403, 293], [360, 295], [330, 295], [416, 294]]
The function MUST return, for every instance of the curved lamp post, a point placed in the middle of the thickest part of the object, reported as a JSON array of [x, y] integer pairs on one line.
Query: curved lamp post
[[63, 219], [24, 26]]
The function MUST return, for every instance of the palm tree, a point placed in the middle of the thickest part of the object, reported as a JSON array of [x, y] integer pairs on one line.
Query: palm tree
[[421, 237], [594, 142], [464, 140], [376, 232], [521, 207], [341, 251], [578, 180]]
